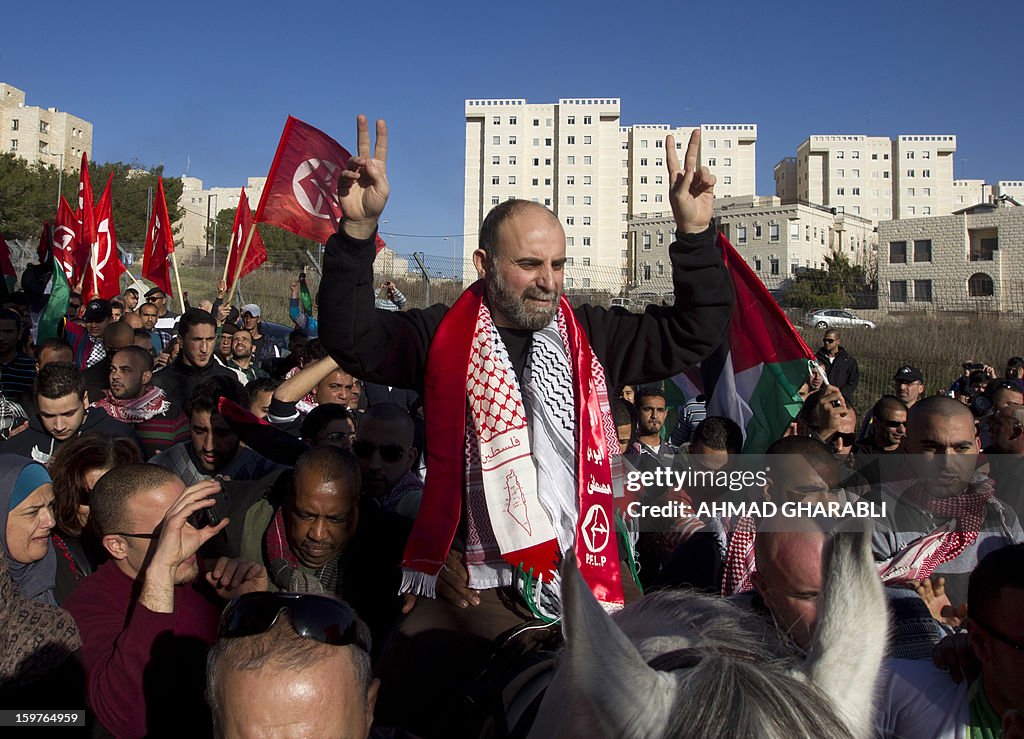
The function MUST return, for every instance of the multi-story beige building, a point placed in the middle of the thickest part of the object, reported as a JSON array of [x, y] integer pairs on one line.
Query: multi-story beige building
[[45, 135], [775, 239], [201, 206], [871, 176], [970, 261], [574, 157], [970, 192], [1009, 188]]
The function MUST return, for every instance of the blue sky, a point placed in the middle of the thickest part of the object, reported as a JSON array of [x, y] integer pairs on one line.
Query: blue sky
[[164, 83]]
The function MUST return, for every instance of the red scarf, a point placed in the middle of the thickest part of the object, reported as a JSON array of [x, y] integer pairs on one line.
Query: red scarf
[[739, 558], [447, 372]]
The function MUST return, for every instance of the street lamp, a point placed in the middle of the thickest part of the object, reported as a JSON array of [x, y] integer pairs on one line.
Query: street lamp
[[60, 174], [456, 260]]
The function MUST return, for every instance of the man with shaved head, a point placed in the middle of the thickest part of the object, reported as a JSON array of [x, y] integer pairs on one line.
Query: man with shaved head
[[943, 517], [116, 336]]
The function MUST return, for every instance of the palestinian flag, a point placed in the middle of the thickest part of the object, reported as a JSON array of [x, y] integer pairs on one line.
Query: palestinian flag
[[51, 320], [305, 297], [754, 375]]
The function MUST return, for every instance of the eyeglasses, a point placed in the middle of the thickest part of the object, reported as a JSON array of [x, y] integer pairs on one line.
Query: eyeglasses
[[998, 636], [313, 616], [155, 535], [340, 436], [828, 341], [891, 424], [388, 452]]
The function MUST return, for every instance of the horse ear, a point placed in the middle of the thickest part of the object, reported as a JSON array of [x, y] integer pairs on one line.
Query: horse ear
[[628, 697], [849, 641]]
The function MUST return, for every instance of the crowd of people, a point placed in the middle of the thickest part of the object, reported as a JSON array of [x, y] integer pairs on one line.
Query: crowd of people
[[370, 531]]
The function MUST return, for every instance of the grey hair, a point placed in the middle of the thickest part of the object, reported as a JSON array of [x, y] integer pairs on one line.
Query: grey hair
[[284, 649]]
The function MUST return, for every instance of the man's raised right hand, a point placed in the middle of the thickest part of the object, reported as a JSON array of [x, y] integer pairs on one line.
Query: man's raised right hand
[[178, 539], [363, 186]]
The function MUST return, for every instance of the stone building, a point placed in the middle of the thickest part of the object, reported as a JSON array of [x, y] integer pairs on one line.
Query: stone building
[[45, 135], [971, 261]]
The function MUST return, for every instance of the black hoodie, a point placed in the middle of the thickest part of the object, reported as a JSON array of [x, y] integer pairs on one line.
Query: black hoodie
[[35, 443]]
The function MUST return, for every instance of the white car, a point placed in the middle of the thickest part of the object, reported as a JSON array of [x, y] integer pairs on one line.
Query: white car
[[836, 318]]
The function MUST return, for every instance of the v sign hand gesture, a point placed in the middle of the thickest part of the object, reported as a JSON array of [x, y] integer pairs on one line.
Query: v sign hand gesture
[[363, 186], [691, 190]]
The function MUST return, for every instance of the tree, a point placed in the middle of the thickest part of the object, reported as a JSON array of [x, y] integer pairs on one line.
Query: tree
[[28, 196], [841, 284]]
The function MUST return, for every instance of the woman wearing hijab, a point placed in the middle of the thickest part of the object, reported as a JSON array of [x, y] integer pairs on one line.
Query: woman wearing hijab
[[26, 522]]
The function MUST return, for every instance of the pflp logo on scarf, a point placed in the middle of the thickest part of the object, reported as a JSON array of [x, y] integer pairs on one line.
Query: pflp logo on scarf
[[596, 532]]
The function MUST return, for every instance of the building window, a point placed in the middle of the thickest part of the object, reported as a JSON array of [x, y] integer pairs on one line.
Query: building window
[[586, 220], [587, 120], [757, 264], [910, 173], [897, 252], [570, 241], [512, 161], [570, 139], [512, 120], [570, 200], [794, 231], [643, 161], [840, 191], [926, 173], [712, 162], [647, 241], [496, 140], [494, 200], [14, 124], [586, 261], [586, 200], [14, 144], [495, 160], [856, 191], [495, 180], [926, 210], [643, 197], [535, 182], [980, 285], [922, 291], [840, 155], [570, 159], [570, 179], [587, 139], [570, 221], [661, 238], [898, 291], [661, 269], [44, 127], [586, 179], [647, 271], [727, 162], [773, 264], [547, 181], [571, 120], [512, 140], [922, 250], [741, 234], [727, 180], [926, 155], [43, 147], [757, 230], [840, 173], [658, 197], [773, 233], [587, 160], [854, 155], [586, 241], [983, 250], [910, 155]]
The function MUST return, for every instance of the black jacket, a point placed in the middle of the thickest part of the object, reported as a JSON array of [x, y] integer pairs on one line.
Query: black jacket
[[178, 379], [842, 371], [390, 347], [35, 443]]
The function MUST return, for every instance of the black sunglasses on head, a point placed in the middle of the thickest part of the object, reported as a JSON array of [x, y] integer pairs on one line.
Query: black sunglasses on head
[[388, 452], [313, 616]]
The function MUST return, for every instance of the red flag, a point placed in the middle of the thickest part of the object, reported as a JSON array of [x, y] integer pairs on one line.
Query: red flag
[[45, 242], [159, 244], [65, 240], [103, 272], [257, 253], [9, 276], [86, 233], [301, 194]]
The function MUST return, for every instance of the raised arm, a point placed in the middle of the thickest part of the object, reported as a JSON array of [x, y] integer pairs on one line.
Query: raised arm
[[387, 347]]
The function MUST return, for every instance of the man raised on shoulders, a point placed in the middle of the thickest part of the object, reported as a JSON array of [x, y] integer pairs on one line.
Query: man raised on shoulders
[[500, 368]]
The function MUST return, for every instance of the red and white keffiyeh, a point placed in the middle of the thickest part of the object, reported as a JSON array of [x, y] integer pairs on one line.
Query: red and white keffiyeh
[[526, 500]]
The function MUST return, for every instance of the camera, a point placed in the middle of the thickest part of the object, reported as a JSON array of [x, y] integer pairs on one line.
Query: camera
[[973, 366], [204, 517], [836, 403]]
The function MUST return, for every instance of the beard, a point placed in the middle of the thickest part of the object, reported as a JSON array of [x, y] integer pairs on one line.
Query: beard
[[515, 308]]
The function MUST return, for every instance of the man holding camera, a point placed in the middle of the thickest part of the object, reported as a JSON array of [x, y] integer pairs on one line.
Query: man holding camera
[[145, 616], [389, 297]]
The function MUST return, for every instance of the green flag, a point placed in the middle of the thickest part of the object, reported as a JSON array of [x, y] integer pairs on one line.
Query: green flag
[[305, 298], [50, 320]]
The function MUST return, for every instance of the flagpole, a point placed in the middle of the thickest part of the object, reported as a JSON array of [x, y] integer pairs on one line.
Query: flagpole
[[227, 261], [241, 261], [177, 281]]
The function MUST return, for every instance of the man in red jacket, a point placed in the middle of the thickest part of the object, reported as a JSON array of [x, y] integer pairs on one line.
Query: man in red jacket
[[145, 621]]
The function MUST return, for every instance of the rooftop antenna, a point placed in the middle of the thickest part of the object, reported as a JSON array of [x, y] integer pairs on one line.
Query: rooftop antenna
[[188, 165]]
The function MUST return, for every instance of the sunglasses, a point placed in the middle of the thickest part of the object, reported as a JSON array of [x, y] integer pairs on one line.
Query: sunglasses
[[828, 341], [388, 452], [891, 424], [313, 616], [341, 435]]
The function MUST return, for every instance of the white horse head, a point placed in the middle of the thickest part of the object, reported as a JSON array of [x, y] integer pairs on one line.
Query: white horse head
[[678, 664]]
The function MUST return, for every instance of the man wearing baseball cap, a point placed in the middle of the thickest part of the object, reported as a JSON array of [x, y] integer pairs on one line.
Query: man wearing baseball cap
[[262, 346], [908, 382], [87, 341]]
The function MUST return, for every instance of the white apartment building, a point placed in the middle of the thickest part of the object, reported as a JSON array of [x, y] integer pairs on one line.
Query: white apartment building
[[970, 192], [1009, 188], [774, 238], [871, 176], [201, 204], [970, 261], [46, 135], [574, 157]]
